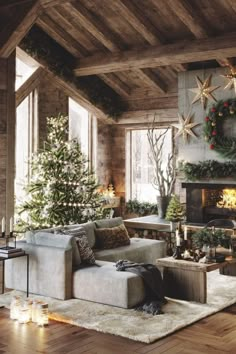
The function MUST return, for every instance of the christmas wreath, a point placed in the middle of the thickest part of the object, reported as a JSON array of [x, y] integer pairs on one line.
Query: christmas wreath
[[214, 134]]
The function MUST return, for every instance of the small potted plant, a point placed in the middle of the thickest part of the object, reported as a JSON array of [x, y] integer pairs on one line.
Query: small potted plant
[[175, 212], [208, 239]]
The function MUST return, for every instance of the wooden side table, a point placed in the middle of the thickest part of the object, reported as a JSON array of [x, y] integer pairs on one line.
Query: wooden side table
[[186, 280]]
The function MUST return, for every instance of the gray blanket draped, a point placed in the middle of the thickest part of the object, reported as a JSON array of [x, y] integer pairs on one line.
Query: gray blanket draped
[[153, 283]]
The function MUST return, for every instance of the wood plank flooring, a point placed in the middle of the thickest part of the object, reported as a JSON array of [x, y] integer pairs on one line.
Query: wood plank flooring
[[213, 335]]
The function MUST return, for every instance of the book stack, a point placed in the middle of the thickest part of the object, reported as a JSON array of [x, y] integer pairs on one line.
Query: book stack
[[10, 252]]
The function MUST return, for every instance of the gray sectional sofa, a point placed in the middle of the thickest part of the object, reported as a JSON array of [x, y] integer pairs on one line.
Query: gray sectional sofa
[[52, 271]]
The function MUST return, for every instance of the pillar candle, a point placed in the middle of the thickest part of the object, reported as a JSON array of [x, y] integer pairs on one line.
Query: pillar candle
[[3, 224], [177, 241], [185, 232], [11, 224]]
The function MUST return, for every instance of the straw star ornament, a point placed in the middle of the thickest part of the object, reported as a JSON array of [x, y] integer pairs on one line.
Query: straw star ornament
[[203, 91], [185, 127], [232, 79]]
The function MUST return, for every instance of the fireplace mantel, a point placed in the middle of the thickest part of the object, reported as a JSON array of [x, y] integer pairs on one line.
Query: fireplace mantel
[[209, 185]]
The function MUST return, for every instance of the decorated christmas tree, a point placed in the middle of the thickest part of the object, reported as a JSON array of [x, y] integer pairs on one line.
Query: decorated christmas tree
[[62, 189], [175, 211]]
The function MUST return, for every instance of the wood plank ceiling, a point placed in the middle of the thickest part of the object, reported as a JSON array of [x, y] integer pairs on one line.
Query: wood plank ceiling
[[137, 47]]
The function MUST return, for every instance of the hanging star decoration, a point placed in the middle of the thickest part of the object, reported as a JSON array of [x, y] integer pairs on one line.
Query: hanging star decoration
[[232, 79], [185, 127], [203, 91]]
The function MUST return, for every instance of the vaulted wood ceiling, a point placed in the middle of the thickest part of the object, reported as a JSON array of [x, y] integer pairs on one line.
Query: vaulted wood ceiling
[[138, 47]]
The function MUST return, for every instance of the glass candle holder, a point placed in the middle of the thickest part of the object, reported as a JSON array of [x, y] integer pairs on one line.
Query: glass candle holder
[[24, 314], [42, 319], [15, 307], [35, 310]]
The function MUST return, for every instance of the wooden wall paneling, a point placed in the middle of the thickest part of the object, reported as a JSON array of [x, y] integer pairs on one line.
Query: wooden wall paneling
[[104, 153], [17, 27], [169, 54]]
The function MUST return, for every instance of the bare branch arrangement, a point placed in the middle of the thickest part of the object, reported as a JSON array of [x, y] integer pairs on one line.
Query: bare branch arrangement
[[164, 178]]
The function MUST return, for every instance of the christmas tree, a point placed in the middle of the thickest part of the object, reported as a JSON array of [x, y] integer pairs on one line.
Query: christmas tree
[[62, 189], [175, 211]]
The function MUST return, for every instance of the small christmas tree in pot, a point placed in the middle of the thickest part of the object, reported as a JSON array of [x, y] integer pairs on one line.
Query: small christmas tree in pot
[[62, 190], [175, 212]]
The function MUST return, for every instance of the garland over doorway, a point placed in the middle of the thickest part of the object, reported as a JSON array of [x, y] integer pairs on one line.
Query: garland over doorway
[[214, 134]]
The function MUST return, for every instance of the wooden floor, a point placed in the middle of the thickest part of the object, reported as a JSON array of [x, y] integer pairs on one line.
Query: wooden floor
[[213, 335]]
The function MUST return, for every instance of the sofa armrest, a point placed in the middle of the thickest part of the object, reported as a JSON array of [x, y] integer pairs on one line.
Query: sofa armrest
[[50, 271]]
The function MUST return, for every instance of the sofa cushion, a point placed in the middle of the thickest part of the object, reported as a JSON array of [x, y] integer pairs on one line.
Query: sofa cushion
[[105, 285], [85, 251], [58, 240], [140, 250], [89, 228], [105, 223], [112, 237]]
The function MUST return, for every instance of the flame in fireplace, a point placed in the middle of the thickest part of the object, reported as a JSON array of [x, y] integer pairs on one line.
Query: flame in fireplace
[[228, 199]]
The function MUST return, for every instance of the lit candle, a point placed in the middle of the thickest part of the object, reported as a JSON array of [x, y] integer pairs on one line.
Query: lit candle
[[176, 233], [3, 225], [177, 241], [185, 232], [11, 224]]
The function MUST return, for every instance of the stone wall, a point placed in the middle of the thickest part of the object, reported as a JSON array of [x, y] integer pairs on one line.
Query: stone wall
[[7, 137]]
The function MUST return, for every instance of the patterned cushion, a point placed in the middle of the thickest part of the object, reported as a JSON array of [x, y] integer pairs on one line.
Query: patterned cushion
[[112, 237], [108, 223], [86, 253]]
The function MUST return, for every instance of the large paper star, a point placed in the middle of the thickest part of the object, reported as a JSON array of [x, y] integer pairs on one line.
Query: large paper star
[[203, 92], [232, 79], [185, 127]]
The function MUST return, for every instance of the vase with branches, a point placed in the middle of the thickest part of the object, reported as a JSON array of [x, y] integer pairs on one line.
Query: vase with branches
[[163, 168]]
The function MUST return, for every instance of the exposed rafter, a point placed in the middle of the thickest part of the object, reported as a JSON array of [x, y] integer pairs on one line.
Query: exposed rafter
[[49, 3], [17, 27], [61, 36], [109, 39], [193, 20], [153, 80], [113, 81], [169, 54], [94, 26]]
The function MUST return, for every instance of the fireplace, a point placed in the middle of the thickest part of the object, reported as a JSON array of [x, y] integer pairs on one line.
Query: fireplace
[[208, 201]]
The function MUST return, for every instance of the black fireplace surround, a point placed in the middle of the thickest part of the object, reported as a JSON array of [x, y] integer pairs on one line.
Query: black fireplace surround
[[202, 199]]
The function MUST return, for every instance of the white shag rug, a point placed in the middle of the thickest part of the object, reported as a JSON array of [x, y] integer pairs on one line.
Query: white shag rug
[[137, 325]]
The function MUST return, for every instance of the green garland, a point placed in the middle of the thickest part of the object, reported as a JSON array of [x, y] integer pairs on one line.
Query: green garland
[[59, 61], [141, 208], [225, 146], [208, 169]]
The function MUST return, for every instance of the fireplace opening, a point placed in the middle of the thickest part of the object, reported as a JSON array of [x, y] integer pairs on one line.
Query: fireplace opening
[[208, 201]]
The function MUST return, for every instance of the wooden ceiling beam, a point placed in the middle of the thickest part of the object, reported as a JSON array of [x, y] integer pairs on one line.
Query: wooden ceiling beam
[[114, 82], [190, 17], [17, 27], [50, 3], [94, 26], [138, 21], [193, 20], [62, 37], [168, 54], [152, 80]]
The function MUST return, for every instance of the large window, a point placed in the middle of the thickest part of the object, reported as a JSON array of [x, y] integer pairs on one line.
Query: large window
[[83, 127], [139, 168]]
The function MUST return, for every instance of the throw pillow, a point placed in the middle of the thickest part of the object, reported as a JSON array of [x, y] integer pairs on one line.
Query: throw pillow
[[86, 253], [105, 223], [112, 237]]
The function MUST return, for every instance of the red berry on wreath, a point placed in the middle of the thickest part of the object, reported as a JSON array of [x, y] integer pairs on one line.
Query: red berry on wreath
[[207, 119], [212, 146], [214, 132], [213, 109], [226, 104]]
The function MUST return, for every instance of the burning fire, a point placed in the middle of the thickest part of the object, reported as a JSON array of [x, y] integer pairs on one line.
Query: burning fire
[[228, 199]]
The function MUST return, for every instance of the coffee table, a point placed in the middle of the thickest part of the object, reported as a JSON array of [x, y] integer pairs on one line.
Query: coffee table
[[187, 280]]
